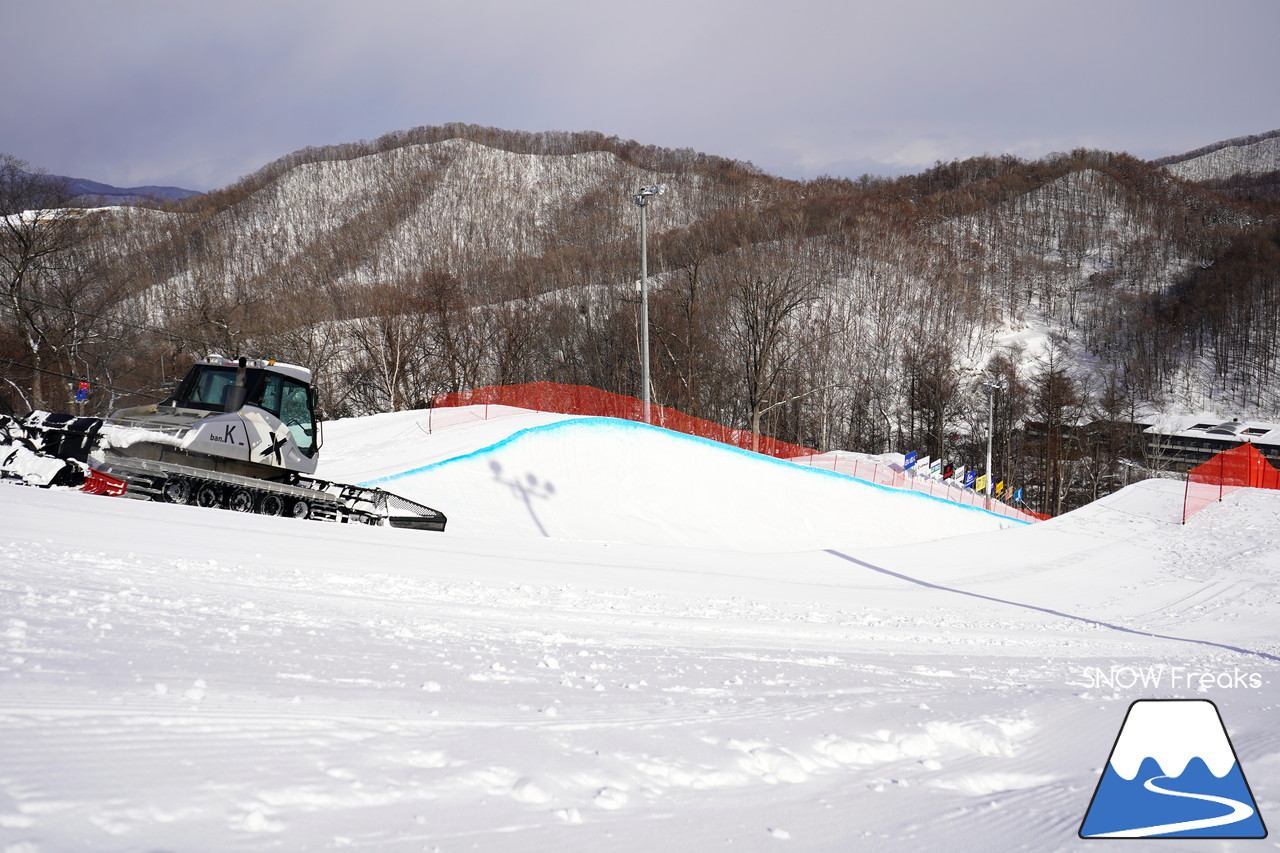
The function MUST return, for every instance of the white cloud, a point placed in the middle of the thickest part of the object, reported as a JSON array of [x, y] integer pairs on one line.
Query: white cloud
[[917, 153]]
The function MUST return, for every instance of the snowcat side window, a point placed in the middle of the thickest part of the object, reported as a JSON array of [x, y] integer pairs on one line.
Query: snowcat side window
[[212, 387], [269, 396], [297, 414]]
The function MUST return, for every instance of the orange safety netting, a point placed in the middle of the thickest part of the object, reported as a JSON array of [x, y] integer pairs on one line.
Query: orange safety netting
[[1240, 467], [585, 400]]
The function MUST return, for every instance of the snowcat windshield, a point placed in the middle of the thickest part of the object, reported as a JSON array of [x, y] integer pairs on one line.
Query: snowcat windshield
[[209, 387]]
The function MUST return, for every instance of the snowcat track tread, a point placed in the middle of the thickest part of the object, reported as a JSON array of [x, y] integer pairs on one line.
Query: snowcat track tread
[[71, 440]]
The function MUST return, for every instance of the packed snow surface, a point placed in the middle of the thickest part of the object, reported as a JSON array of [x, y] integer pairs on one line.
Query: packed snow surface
[[602, 652]]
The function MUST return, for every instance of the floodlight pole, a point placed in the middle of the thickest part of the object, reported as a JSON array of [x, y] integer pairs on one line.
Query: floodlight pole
[[644, 312], [992, 388], [640, 199]]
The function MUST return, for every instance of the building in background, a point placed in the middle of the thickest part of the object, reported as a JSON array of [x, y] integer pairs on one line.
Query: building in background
[[1180, 444]]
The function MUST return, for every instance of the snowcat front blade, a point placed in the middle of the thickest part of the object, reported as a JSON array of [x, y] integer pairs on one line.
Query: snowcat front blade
[[381, 506], [402, 512], [417, 522]]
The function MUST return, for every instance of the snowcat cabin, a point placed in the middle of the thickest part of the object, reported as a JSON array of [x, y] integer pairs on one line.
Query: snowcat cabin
[[218, 385]]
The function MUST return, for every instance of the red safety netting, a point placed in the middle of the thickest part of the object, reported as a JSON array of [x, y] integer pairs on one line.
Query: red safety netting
[[1240, 467], [585, 400]]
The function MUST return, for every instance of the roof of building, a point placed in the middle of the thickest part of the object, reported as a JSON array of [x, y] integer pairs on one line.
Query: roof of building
[[1257, 432]]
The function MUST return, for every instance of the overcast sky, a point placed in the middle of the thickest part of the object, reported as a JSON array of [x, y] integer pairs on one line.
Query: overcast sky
[[197, 93]]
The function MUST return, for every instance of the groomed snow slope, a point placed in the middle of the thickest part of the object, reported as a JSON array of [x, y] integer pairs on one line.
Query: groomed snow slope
[[620, 481], [174, 678]]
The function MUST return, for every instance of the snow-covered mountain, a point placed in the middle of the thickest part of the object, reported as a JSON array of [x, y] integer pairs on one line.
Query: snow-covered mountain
[[452, 205], [1247, 155], [970, 250], [94, 193]]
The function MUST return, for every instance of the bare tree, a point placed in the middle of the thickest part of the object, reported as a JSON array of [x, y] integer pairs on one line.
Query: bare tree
[[390, 352], [458, 331], [1056, 404], [768, 287], [932, 392], [47, 290]]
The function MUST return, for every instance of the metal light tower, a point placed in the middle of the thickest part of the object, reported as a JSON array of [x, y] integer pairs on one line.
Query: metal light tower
[[640, 199], [991, 388]]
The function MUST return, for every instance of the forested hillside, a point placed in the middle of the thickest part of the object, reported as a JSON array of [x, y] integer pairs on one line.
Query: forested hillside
[[861, 315]]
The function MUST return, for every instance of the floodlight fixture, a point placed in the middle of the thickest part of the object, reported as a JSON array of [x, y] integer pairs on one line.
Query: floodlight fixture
[[650, 190]]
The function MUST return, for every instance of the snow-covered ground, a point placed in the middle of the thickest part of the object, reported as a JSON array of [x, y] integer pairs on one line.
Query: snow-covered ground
[[624, 641]]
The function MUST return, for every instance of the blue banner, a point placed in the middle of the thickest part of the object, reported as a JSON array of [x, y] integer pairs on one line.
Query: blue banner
[[909, 461], [970, 478]]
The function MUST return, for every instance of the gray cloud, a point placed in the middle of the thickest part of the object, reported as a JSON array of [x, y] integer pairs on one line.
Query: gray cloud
[[198, 94]]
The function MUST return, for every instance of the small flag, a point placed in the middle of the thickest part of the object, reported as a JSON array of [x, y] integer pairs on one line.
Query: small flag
[[1000, 488], [909, 461], [982, 483], [923, 465], [935, 467], [1017, 495], [948, 471], [968, 479]]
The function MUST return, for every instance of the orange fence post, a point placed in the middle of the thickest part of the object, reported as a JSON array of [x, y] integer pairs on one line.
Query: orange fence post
[[1222, 475]]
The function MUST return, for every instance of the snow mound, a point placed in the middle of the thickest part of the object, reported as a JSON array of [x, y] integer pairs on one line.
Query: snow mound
[[620, 481], [1147, 502]]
